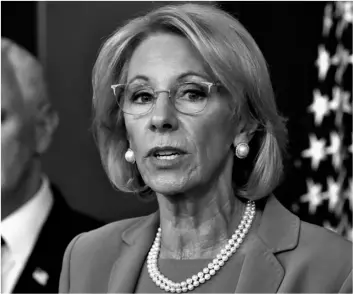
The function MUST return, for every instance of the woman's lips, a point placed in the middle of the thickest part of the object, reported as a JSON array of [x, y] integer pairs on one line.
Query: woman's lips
[[165, 152], [170, 160], [167, 156]]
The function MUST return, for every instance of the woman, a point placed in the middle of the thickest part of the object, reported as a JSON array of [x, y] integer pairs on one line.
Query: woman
[[184, 110]]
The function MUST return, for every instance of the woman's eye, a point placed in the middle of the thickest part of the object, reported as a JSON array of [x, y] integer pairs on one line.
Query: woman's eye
[[193, 95], [142, 98], [191, 92]]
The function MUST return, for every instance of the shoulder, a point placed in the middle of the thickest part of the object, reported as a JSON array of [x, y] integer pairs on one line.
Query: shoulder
[[314, 259], [320, 255], [92, 255], [107, 237], [324, 243], [287, 232]]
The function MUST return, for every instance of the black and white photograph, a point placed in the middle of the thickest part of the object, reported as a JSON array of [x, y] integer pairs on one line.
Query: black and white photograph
[[176, 147]]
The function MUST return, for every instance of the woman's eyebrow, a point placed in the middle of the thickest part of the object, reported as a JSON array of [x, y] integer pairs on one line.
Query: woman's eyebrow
[[181, 77], [192, 74], [138, 77]]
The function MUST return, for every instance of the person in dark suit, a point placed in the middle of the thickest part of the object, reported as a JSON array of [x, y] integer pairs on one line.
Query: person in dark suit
[[191, 119], [36, 222]]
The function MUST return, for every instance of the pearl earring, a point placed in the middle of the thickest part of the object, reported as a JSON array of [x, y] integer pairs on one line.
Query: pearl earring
[[130, 156], [242, 150]]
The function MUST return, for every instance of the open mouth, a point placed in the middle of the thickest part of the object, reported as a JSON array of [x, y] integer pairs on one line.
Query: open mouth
[[166, 153]]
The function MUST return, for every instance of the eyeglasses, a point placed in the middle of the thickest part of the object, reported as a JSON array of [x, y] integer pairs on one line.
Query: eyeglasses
[[139, 99]]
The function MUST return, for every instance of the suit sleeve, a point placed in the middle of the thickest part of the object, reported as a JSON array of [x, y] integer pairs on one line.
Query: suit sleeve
[[64, 284], [347, 284]]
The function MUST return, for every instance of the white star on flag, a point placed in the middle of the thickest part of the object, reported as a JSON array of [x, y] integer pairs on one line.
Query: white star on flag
[[350, 148], [313, 197], [349, 193], [319, 107], [340, 104], [341, 59], [334, 150], [327, 20], [343, 225], [316, 151], [346, 107], [328, 226], [323, 62], [345, 11], [332, 193], [335, 103]]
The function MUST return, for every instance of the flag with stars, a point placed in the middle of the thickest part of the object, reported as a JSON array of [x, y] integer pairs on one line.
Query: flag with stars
[[326, 160]]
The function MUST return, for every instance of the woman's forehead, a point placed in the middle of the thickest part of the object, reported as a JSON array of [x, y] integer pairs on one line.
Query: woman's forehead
[[165, 56]]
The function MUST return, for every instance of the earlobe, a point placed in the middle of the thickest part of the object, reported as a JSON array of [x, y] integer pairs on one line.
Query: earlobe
[[242, 139], [245, 134]]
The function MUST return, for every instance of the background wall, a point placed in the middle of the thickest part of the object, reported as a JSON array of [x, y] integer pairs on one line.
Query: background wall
[[69, 35], [74, 31], [19, 22]]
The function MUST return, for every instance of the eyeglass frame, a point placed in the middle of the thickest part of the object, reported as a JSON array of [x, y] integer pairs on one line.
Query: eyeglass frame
[[156, 93]]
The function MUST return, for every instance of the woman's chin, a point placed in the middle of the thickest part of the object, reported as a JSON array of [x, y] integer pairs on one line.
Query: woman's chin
[[168, 185]]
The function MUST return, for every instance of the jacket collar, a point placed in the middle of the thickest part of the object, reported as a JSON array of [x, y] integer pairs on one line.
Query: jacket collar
[[145, 225], [278, 231], [279, 228], [138, 239]]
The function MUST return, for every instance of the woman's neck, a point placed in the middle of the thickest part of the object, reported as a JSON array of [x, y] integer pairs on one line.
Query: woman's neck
[[198, 226]]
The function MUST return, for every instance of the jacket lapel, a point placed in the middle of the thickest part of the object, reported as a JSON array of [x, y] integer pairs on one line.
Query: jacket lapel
[[261, 271], [42, 270], [137, 240], [278, 231]]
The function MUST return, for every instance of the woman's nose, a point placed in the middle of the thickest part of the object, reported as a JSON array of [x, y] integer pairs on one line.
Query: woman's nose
[[163, 117]]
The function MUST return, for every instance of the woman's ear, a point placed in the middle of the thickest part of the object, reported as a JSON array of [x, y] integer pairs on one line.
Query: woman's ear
[[245, 133], [46, 123]]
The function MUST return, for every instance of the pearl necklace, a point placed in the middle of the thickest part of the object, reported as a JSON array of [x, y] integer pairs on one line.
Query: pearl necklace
[[208, 272]]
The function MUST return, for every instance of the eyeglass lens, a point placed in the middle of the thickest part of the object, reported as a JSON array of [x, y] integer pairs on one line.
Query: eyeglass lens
[[186, 97]]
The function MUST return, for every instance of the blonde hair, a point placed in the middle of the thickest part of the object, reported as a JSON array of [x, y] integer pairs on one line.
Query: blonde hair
[[235, 61]]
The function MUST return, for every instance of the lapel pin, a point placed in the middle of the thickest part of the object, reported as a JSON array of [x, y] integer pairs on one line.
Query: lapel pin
[[40, 276]]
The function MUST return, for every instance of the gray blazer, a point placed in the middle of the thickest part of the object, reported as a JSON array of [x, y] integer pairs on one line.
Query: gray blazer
[[283, 255]]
